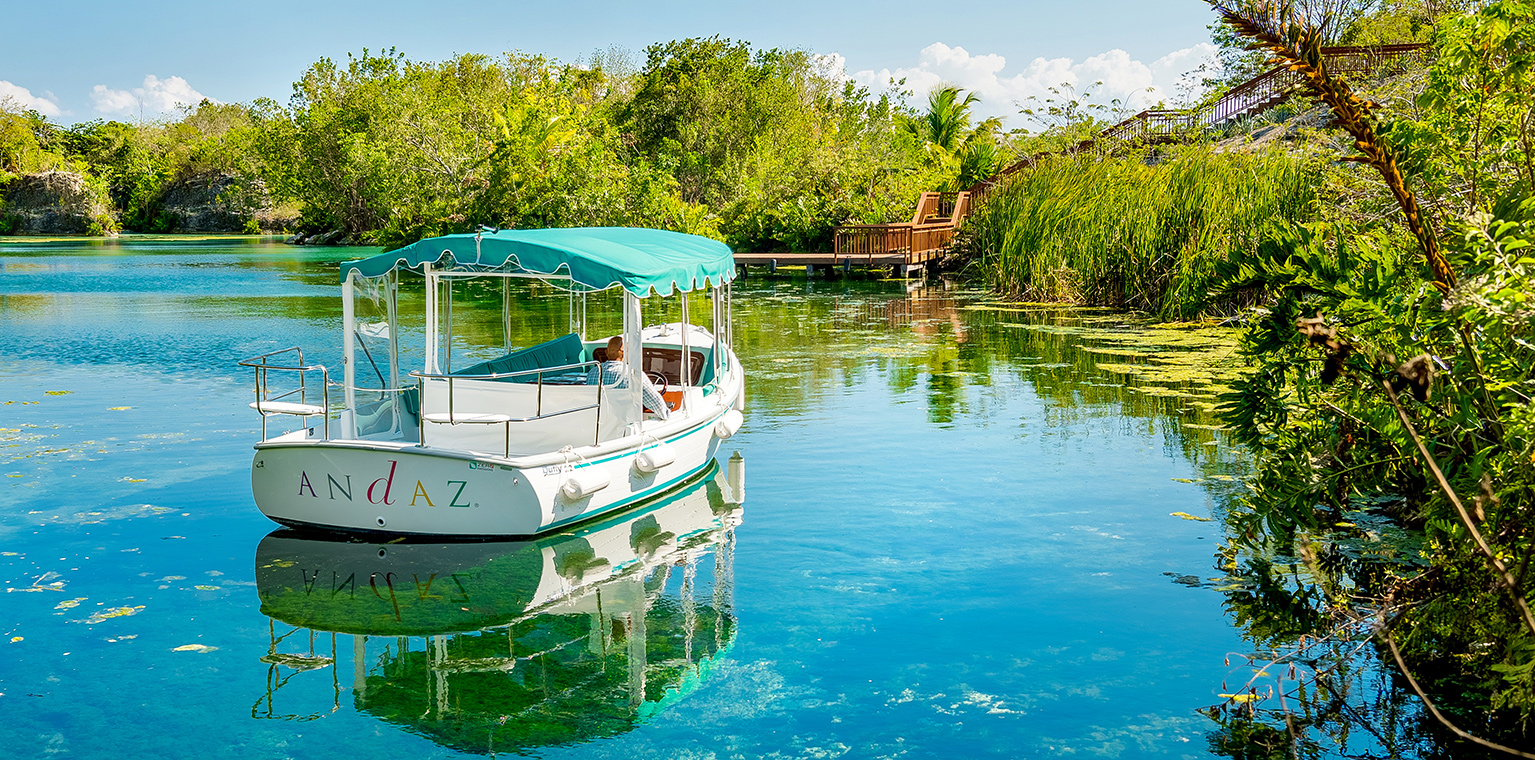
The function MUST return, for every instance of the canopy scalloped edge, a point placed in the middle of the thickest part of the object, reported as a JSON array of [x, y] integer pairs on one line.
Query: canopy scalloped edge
[[637, 259]]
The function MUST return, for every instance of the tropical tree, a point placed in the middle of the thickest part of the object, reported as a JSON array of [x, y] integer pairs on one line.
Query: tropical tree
[[777, 142], [23, 138], [969, 152]]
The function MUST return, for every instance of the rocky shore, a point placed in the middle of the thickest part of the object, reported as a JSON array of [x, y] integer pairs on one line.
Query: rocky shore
[[68, 203], [221, 203], [56, 203]]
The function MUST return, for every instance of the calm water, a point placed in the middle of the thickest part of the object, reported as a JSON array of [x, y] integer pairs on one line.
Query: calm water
[[956, 541]]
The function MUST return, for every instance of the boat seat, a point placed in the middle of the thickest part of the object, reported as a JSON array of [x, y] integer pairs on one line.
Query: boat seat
[[668, 362], [287, 407], [566, 349]]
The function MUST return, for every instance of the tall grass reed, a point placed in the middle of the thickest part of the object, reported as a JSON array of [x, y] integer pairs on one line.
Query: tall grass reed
[[1119, 231]]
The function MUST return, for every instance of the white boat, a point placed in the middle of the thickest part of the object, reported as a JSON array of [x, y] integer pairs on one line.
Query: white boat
[[542, 437]]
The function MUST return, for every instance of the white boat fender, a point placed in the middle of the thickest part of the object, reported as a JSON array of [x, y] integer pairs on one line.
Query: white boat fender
[[654, 458], [729, 424], [583, 482]]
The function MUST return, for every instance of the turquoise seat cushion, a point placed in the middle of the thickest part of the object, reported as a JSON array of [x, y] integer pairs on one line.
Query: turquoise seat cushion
[[566, 349]]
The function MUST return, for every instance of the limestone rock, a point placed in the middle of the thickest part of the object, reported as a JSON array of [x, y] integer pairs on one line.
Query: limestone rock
[[56, 203], [220, 203], [334, 237]]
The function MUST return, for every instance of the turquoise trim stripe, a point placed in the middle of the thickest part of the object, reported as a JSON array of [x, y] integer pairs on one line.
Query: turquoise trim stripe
[[631, 501], [716, 418]]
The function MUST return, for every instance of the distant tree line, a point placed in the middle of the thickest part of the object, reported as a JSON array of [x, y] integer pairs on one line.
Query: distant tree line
[[765, 149]]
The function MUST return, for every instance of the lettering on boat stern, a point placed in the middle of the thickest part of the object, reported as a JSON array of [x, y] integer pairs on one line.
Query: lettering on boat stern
[[388, 489]]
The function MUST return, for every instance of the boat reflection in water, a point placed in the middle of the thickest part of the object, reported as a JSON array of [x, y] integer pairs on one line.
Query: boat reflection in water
[[499, 646]]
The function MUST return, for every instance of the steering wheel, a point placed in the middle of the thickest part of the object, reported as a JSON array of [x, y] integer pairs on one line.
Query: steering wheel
[[659, 380]]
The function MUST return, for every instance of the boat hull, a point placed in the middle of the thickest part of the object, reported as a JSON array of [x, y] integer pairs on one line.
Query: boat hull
[[371, 487]]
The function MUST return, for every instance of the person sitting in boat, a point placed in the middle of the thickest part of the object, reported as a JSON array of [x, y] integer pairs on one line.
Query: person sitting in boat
[[616, 373]]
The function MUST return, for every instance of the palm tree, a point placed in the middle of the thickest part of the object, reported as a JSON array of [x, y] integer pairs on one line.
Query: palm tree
[[946, 133]]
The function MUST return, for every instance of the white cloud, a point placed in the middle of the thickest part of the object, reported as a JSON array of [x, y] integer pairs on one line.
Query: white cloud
[[1137, 84], [44, 104], [157, 96], [831, 65]]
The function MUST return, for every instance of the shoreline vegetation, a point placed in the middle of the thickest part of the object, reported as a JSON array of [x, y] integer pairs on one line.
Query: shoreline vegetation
[[1120, 231], [1389, 403]]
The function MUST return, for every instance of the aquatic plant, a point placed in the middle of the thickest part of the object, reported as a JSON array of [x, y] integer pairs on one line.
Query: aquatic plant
[[1127, 232]]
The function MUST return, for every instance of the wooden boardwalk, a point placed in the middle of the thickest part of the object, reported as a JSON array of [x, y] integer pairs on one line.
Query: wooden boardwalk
[[1261, 93], [825, 261]]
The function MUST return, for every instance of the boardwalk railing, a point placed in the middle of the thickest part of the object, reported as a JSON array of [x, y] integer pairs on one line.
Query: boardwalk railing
[[917, 242], [1249, 98], [938, 215]]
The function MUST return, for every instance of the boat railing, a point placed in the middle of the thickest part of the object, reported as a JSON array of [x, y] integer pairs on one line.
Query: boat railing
[[506, 420], [270, 405]]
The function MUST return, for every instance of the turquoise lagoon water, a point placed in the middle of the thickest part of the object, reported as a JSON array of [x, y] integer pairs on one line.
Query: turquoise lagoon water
[[956, 541]]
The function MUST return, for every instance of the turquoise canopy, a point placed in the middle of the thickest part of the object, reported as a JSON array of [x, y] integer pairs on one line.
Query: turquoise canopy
[[596, 257]]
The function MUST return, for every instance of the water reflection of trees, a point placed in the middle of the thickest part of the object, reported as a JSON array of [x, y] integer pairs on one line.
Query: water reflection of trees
[[934, 342], [1312, 693]]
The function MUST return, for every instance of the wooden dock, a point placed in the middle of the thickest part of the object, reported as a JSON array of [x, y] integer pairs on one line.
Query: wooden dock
[[814, 262]]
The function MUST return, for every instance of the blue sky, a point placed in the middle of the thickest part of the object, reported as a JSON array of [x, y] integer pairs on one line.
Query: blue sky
[[79, 60]]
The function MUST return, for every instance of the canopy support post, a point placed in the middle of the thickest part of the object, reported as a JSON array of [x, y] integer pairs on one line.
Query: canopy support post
[[392, 313], [716, 307], [431, 319], [687, 356], [506, 314], [348, 357], [634, 349], [447, 312]]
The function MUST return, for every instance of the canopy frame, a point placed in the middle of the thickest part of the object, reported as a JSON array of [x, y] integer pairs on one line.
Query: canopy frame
[[639, 260], [707, 266]]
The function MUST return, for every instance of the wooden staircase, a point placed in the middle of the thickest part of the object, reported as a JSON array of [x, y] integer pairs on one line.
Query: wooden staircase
[[939, 215], [915, 243]]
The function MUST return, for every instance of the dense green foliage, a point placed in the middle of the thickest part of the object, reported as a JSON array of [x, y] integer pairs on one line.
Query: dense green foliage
[[766, 149], [129, 166], [1378, 400], [1117, 231], [972, 153], [388, 149]]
